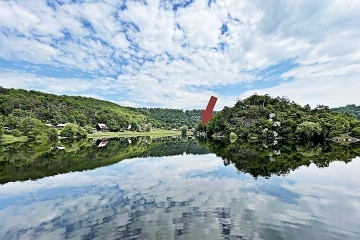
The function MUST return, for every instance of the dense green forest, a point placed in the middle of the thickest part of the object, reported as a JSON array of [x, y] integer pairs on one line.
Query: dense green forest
[[173, 118], [351, 109], [20, 107], [268, 118]]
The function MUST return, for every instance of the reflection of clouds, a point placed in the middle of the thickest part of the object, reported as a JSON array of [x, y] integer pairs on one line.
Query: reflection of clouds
[[182, 196]]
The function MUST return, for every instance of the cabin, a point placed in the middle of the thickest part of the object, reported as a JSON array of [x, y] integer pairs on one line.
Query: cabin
[[101, 127]]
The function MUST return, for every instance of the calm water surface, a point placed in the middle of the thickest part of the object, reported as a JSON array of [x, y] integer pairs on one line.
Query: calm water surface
[[184, 196]]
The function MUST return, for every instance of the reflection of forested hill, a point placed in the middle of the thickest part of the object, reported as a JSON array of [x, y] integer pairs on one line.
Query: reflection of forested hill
[[266, 160], [31, 161], [171, 148]]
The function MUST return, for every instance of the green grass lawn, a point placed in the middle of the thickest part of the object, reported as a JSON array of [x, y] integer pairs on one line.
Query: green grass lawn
[[7, 139], [152, 133]]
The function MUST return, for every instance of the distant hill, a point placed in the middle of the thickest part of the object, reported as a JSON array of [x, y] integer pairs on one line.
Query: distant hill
[[172, 117], [17, 104], [351, 109], [265, 117]]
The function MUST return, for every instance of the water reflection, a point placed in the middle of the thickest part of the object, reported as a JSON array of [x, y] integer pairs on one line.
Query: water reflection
[[259, 159], [25, 161], [175, 194]]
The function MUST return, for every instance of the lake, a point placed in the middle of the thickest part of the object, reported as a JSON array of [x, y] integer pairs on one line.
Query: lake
[[143, 188]]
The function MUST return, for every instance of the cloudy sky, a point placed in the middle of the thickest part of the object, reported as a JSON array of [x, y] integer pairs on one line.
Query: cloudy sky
[[171, 53]]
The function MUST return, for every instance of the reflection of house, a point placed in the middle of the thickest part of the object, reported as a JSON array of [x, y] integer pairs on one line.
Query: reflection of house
[[101, 143], [101, 127], [49, 125], [61, 125]]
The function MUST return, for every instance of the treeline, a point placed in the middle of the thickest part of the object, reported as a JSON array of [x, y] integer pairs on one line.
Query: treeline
[[351, 109], [17, 105], [265, 117], [172, 118]]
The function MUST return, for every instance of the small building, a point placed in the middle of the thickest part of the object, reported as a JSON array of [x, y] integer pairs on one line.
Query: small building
[[49, 125], [101, 127]]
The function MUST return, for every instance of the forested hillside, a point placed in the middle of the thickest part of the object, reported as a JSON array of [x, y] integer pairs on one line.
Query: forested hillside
[[264, 117], [173, 118], [27, 110], [351, 109]]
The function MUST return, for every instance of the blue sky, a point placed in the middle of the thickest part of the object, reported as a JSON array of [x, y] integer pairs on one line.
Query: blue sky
[[177, 54]]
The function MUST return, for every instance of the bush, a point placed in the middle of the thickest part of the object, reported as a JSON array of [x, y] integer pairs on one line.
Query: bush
[[308, 130], [184, 130], [72, 130], [36, 130], [241, 132], [89, 129], [355, 132], [16, 133], [2, 130], [233, 137]]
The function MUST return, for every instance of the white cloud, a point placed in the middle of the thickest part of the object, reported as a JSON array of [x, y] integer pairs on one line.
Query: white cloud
[[167, 57]]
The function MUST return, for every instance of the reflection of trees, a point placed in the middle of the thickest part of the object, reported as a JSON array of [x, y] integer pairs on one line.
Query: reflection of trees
[[266, 160], [24, 161], [31, 161]]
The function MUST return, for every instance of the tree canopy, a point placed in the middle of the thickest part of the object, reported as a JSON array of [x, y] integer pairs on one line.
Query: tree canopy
[[266, 117]]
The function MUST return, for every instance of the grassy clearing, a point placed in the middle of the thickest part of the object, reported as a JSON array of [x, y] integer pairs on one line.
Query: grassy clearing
[[7, 139], [153, 133]]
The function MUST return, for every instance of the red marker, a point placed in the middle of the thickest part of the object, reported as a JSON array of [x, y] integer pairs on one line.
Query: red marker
[[206, 115]]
